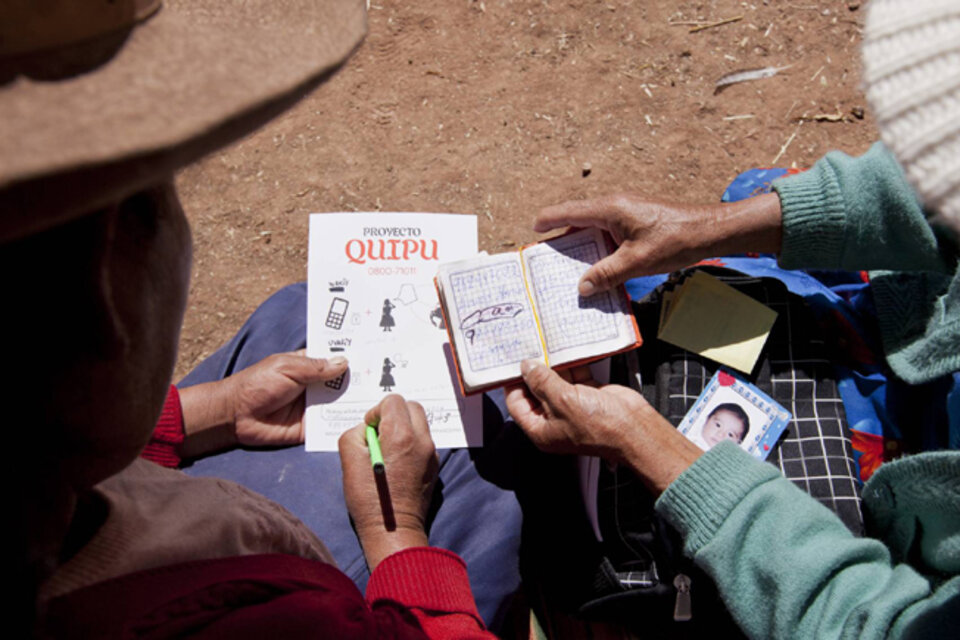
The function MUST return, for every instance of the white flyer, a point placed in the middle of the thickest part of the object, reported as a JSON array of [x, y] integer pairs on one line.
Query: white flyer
[[371, 298]]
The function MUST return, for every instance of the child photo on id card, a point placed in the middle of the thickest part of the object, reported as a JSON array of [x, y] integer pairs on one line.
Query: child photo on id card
[[730, 408]]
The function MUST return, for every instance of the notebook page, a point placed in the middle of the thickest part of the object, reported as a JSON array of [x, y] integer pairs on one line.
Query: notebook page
[[575, 327], [490, 317]]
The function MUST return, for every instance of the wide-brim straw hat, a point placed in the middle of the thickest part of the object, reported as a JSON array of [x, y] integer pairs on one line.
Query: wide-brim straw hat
[[99, 99]]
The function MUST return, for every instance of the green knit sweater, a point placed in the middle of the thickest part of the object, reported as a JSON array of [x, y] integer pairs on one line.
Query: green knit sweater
[[860, 213], [787, 567]]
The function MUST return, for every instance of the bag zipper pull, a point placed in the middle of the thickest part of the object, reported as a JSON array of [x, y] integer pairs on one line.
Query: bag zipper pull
[[682, 610]]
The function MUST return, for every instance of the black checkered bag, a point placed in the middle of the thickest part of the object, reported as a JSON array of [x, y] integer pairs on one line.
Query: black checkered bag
[[795, 371], [642, 578]]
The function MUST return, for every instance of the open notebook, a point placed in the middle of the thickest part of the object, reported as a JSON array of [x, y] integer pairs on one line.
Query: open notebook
[[505, 308]]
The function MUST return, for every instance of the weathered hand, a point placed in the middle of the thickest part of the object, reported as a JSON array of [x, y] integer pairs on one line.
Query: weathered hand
[[268, 398], [259, 406], [567, 413], [658, 237], [389, 512]]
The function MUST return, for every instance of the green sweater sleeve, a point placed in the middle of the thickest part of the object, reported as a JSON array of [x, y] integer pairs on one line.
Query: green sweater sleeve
[[857, 213], [786, 566]]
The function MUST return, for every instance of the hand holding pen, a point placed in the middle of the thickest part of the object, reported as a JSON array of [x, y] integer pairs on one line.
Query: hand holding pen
[[389, 510]]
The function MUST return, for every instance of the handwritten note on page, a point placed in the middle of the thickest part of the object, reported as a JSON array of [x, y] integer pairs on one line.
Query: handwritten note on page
[[509, 307]]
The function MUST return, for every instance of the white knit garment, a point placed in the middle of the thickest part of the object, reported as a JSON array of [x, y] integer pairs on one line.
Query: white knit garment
[[911, 58]]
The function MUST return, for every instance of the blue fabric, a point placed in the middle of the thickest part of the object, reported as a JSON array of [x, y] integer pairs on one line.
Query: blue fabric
[[473, 517], [752, 182]]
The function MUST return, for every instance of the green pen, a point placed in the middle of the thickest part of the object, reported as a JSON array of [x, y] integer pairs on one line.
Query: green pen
[[373, 443]]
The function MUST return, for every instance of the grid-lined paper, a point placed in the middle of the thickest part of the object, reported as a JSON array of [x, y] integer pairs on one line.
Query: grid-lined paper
[[569, 320]]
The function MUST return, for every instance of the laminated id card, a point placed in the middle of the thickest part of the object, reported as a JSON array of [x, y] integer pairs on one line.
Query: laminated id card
[[730, 408]]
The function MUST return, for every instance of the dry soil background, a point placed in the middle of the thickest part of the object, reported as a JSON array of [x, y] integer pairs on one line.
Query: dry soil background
[[499, 107]]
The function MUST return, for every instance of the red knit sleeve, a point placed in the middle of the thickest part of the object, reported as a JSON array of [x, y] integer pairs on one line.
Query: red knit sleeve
[[432, 583], [168, 434]]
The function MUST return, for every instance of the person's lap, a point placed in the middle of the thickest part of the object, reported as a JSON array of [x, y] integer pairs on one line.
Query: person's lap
[[474, 517]]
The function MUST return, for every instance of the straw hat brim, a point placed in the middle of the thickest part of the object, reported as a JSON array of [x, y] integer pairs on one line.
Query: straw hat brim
[[195, 76]]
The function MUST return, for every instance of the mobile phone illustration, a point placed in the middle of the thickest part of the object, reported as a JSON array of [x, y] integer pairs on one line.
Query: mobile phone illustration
[[337, 382], [337, 312]]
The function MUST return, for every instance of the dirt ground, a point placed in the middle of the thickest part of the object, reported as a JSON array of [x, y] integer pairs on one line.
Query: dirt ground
[[499, 107]]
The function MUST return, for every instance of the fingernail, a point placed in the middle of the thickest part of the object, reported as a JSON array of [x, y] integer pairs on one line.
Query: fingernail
[[337, 361], [527, 366], [586, 288]]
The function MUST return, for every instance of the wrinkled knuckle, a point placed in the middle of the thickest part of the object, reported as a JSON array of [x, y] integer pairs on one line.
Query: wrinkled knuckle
[[588, 406], [283, 362], [619, 201], [416, 408], [392, 402], [603, 272], [404, 440], [568, 399]]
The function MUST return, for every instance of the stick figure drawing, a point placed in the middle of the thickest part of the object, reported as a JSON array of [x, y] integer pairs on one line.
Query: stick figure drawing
[[386, 380], [386, 320]]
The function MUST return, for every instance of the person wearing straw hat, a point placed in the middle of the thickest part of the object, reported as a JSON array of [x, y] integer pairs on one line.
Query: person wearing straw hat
[[100, 102], [785, 565]]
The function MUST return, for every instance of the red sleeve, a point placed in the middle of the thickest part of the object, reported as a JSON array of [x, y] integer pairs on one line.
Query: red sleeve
[[432, 583], [259, 596], [168, 434]]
